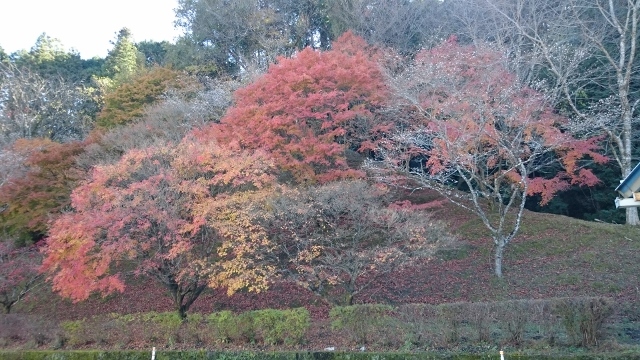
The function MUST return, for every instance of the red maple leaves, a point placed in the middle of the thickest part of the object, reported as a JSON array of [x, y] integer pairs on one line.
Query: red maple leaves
[[307, 110]]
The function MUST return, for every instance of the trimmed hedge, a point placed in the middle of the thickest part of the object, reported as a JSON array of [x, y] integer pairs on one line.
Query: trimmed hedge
[[268, 327], [363, 324], [586, 322], [579, 321], [210, 355]]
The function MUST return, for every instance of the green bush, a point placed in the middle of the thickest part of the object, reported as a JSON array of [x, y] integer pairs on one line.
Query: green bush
[[281, 326], [164, 326], [269, 326], [227, 327], [362, 323], [74, 332]]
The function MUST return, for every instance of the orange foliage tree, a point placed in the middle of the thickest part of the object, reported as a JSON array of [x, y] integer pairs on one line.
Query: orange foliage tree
[[466, 121], [28, 202], [155, 211], [308, 110], [128, 101]]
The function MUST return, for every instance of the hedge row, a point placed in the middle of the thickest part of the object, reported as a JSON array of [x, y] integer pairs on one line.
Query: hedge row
[[268, 327], [470, 327], [210, 355], [561, 321]]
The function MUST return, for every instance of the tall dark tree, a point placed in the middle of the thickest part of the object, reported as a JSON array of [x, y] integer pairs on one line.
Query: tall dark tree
[[49, 59], [122, 62], [239, 34], [154, 52], [3, 55]]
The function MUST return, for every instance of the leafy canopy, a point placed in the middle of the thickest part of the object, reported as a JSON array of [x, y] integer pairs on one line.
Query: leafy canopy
[[150, 210], [466, 120], [31, 200], [307, 110]]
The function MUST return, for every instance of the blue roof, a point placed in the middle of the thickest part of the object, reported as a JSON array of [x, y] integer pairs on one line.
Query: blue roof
[[631, 183]]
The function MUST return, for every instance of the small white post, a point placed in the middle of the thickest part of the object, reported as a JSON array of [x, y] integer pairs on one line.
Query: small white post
[[153, 353], [501, 355]]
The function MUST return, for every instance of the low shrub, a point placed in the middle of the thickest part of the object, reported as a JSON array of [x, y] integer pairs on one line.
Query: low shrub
[[362, 324], [514, 316], [450, 318], [247, 355], [418, 323], [19, 328], [481, 316], [74, 332], [162, 326], [584, 318], [192, 330], [224, 327], [281, 326]]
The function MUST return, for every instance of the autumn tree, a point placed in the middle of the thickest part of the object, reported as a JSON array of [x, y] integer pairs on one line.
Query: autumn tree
[[582, 54], [153, 212], [467, 123], [128, 101], [167, 120], [345, 235], [29, 201], [309, 110], [18, 272]]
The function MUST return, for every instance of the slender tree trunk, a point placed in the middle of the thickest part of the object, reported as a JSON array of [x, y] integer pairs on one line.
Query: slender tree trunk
[[632, 212], [632, 216], [627, 146], [498, 258]]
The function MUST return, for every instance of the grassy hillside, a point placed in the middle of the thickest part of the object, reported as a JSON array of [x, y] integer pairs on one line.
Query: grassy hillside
[[552, 256]]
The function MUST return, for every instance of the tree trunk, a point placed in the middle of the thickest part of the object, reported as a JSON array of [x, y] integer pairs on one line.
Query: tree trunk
[[632, 212], [349, 299], [498, 260], [632, 216], [182, 312]]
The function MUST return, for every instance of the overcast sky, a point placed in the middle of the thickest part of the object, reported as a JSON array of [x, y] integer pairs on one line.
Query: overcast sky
[[85, 25]]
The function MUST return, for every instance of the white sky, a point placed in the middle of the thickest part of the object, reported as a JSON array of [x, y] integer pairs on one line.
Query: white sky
[[85, 25]]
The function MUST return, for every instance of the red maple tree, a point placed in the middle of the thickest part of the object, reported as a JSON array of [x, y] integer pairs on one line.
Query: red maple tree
[[307, 110], [465, 121], [147, 213]]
